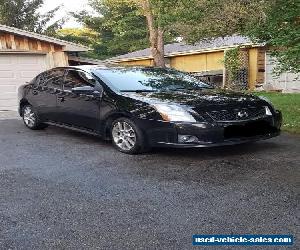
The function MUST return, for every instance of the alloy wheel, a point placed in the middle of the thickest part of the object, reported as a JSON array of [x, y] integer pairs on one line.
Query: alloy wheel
[[29, 117], [124, 135]]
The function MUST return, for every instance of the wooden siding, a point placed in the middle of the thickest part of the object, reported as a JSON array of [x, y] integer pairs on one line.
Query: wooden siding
[[144, 62], [252, 67], [198, 62], [55, 56], [189, 63], [214, 60], [14, 42], [256, 66], [261, 64]]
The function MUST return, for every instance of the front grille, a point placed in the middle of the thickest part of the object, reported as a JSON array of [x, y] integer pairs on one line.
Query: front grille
[[237, 114]]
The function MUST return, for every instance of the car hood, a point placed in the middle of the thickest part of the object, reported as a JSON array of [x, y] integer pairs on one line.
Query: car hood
[[195, 98]]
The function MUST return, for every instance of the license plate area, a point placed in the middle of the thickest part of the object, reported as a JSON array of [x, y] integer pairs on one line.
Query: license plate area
[[249, 129]]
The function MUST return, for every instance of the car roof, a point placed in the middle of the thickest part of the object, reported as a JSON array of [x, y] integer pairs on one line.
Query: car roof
[[101, 66], [90, 68]]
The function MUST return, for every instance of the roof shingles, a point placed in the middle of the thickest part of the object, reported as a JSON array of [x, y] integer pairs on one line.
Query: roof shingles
[[181, 47]]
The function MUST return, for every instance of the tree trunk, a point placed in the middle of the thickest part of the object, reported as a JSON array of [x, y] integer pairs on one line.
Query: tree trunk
[[156, 36], [160, 57]]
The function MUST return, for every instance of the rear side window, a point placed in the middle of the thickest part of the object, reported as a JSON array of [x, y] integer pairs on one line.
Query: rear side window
[[52, 79], [78, 78]]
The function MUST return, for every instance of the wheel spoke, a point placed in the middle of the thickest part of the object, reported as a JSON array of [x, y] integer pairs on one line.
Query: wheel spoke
[[129, 130], [124, 126], [132, 142], [122, 145], [127, 144], [127, 127], [115, 133], [119, 126], [131, 134]]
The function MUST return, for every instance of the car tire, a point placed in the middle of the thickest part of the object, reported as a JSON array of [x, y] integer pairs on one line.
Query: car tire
[[127, 137], [31, 119]]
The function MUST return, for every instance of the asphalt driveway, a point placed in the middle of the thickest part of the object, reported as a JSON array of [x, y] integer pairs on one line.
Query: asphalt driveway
[[63, 189]]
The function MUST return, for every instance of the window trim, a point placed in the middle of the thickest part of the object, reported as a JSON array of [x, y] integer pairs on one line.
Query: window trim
[[77, 70]]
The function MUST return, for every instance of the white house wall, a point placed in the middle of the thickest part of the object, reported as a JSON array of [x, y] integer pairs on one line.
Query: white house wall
[[287, 82]]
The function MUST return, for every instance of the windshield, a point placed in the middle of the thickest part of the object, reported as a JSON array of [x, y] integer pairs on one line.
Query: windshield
[[149, 79]]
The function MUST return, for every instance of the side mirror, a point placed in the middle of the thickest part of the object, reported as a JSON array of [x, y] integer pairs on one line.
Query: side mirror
[[98, 90]]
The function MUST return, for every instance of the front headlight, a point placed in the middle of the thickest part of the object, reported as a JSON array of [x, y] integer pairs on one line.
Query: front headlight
[[266, 99], [268, 111], [173, 113]]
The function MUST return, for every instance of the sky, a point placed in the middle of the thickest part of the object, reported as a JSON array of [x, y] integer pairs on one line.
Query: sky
[[69, 5]]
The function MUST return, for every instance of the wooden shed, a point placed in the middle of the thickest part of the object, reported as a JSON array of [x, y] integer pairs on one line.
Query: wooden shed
[[23, 55]]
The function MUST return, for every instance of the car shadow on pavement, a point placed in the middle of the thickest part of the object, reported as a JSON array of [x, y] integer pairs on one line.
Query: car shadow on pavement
[[239, 149], [208, 166]]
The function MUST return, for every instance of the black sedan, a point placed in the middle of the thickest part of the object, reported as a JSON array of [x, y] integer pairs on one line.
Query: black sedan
[[143, 107]]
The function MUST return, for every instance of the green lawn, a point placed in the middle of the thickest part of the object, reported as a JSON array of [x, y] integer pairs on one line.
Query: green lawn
[[289, 104]]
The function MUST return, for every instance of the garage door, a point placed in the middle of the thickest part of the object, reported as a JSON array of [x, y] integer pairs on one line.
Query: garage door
[[15, 70]]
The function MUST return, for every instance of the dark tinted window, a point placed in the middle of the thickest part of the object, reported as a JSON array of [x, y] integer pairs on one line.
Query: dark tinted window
[[149, 79], [52, 78], [77, 78]]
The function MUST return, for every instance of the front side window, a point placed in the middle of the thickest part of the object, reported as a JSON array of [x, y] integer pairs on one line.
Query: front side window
[[77, 78], [149, 79]]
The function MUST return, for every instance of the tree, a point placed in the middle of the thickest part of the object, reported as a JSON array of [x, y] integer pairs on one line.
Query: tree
[[160, 15], [84, 36], [280, 30], [156, 33], [129, 25], [218, 18], [23, 14], [120, 29], [274, 22], [44, 25]]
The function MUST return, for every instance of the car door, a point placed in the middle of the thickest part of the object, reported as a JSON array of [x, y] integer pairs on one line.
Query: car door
[[79, 110], [44, 93]]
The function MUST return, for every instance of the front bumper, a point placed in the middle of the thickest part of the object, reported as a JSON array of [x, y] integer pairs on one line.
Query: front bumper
[[165, 134], [217, 144]]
